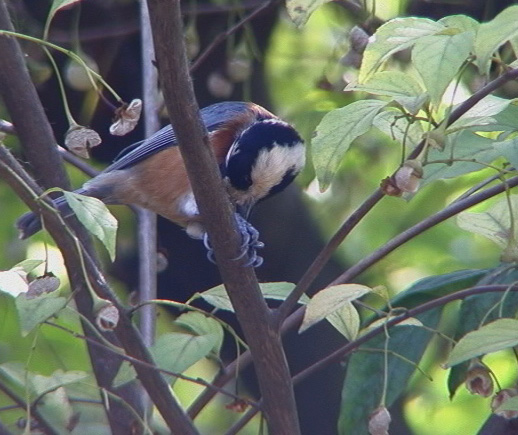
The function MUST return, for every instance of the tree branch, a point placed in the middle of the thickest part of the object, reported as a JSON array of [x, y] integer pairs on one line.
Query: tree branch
[[153, 382], [252, 312], [39, 146], [339, 354], [350, 223]]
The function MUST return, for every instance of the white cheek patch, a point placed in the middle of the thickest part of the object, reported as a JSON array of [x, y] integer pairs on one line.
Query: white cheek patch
[[272, 165]]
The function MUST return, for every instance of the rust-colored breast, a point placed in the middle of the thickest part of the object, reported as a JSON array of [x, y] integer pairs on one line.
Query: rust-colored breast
[[158, 184]]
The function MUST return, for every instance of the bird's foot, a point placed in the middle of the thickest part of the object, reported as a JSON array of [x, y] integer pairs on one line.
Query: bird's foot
[[249, 244]]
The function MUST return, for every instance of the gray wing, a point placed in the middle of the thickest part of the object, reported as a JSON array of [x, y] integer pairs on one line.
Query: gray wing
[[212, 116]]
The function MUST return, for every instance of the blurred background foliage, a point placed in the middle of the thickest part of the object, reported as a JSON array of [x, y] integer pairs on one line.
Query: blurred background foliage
[[303, 78]]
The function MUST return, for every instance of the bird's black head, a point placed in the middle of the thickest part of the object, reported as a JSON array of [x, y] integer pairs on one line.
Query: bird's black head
[[263, 160]]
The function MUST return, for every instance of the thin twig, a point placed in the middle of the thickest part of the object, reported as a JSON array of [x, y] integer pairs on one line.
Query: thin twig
[[132, 360], [224, 35]]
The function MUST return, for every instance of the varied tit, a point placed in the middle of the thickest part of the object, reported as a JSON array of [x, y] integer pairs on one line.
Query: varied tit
[[258, 155]]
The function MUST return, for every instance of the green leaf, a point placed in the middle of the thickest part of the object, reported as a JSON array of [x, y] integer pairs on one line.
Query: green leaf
[[411, 321], [55, 404], [493, 34], [393, 36], [363, 387], [280, 291], [329, 300], [28, 265], [346, 320], [96, 218], [300, 10], [335, 133], [175, 352], [43, 384], [472, 150], [498, 335], [393, 124], [35, 311], [218, 297], [402, 87], [476, 309], [494, 223], [438, 59], [56, 6], [509, 150], [433, 287], [200, 324], [483, 113], [463, 23]]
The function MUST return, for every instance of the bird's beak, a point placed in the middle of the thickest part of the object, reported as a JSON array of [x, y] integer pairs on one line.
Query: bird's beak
[[245, 209]]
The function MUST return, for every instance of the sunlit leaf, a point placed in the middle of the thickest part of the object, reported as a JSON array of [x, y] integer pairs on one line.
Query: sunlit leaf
[[460, 22], [438, 59], [498, 335], [96, 218], [42, 384], [483, 113], [177, 351], [218, 297], [346, 320], [407, 322], [335, 134], [402, 87], [329, 300], [464, 152], [493, 34], [28, 265], [393, 36]]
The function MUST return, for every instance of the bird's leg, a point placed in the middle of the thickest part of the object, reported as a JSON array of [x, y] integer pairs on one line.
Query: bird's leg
[[249, 244]]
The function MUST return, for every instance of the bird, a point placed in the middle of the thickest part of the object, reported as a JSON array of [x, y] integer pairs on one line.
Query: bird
[[258, 155]]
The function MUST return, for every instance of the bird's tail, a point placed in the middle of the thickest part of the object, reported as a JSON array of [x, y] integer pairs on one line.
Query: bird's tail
[[30, 223]]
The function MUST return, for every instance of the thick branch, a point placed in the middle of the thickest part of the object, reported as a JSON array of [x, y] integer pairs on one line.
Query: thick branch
[[251, 310], [39, 145], [27, 114]]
